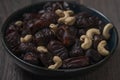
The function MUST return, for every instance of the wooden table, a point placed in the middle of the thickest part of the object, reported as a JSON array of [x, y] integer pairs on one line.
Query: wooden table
[[109, 71]]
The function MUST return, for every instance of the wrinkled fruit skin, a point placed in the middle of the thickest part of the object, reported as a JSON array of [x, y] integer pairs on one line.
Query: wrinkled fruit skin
[[86, 20], [96, 40], [81, 32], [93, 55], [56, 5], [31, 58], [76, 49], [40, 21], [57, 48], [13, 40], [26, 47], [45, 58], [46, 19], [44, 36], [76, 62], [65, 35]]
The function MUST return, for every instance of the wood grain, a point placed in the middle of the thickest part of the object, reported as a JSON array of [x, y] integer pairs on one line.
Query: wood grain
[[109, 71]]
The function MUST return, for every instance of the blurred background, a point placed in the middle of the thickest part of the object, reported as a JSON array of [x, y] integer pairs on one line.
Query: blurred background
[[109, 71]]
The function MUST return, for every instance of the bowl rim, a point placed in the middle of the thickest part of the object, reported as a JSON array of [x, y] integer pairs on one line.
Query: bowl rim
[[58, 70]]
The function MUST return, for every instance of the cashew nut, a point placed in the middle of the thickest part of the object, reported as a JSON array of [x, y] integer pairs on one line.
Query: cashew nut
[[101, 48], [66, 17], [27, 38], [59, 12], [58, 62], [106, 30], [18, 23], [92, 32], [87, 42], [70, 20], [42, 49], [53, 27]]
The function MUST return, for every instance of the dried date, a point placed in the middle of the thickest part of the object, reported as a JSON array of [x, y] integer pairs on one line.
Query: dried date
[[45, 58], [65, 35], [57, 48], [56, 5], [81, 32], [44, 36], [86, 20], [26, 47], [76, 62], [31, 58], [93, 55], [76, 49], [96, 40], [13, 39]]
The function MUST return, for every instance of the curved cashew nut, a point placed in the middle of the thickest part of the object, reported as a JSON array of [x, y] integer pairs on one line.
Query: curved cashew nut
[[42, 49], [59, 12], [87, 42], [66, 16], [27, 38], [18, 23], [70, 20], [53, 27], [101, 48], [58, 62], [106, 30], [92, 32]]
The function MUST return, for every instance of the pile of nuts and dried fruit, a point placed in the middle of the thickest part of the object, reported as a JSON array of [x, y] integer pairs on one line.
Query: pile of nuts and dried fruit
[[56, 37]]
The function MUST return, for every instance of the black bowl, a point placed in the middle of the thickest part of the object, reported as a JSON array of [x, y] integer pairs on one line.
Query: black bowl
[[60, 72]]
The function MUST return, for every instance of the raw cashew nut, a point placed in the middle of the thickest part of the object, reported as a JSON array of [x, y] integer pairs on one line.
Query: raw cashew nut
[[66, 16], [42, 49], [101, 48], [59, 12], [27, 38], [53, 27], [92, 32], [70, 20], [18, 23], [87, 42], [58, 62], [106, 30]]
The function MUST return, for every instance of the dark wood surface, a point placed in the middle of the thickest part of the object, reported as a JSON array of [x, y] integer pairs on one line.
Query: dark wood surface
[[109, 71]]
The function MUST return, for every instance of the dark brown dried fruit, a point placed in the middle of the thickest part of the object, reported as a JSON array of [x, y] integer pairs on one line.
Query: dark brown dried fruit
[[96, 40], [65, 35], [56, 5], [81, 32], [31, 58], [31, 16], [93, 55], [86, 20], [76, 49], [76, 62], [46, 19], [10, 29], [44, 36], [57, 48], [26, 47], [13, 39], [45, 58]]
